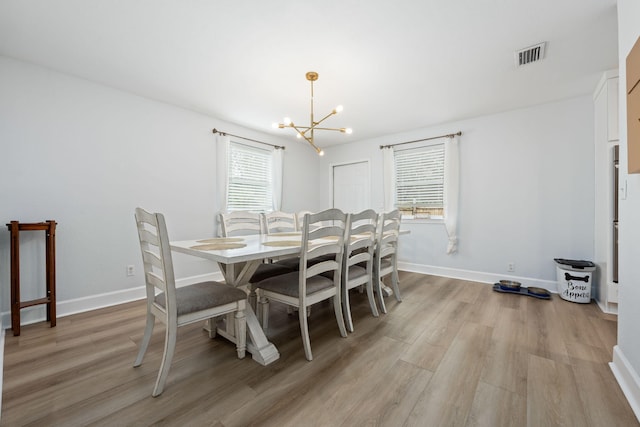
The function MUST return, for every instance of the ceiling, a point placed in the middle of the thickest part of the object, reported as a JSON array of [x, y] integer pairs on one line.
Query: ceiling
[[394, 66]]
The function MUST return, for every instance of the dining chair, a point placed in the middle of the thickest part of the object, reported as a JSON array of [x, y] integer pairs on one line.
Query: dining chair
[[294, 262], [240, 223], [279, 222], [176, 307], [385, 260], [300, 218], [309, 285], [357, 261]]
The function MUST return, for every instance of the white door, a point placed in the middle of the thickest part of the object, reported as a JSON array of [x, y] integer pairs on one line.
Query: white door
[[351, 186]]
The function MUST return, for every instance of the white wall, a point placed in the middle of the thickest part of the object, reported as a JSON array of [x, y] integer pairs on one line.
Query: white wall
[[626, 362], [526, 193], [74, 152], [86, 155]]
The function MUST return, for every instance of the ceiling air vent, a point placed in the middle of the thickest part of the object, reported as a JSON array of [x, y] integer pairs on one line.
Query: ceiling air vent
[[530, 54]]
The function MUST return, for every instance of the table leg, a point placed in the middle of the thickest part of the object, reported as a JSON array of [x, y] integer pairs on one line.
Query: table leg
[[260, 348], [386, 290], [239, 274]]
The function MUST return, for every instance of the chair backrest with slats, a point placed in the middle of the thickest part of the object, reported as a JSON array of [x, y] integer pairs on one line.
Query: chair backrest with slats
[[388, 232], [156, 258], [323, 238], [240, 223], [300, 219], [279, 222], [360, 238]]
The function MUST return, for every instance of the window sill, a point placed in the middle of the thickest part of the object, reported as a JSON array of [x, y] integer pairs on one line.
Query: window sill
[[411, 220]]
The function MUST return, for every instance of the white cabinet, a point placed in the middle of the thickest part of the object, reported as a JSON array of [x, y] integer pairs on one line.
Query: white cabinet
[[606, 193]]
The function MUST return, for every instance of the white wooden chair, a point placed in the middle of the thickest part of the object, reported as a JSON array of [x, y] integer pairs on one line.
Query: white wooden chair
[[385, 261], [310, 285], [357, 261], [300, 219], [240, 223], [179, 306], [279, 222]]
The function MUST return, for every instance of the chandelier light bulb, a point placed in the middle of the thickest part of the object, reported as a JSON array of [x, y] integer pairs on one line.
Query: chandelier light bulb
[[348, 131], [307, 132], [275, 125]]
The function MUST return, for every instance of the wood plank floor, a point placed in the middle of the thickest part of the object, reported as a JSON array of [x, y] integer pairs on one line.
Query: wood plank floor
[[453, 353]]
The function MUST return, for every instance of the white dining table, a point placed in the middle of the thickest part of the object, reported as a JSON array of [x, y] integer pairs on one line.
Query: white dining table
[[237, 266]]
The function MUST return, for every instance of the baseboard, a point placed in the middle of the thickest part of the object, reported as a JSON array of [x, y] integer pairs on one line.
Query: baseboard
[[627, 378], [608, 308], [476, 276], [65, 308], [37, 314]]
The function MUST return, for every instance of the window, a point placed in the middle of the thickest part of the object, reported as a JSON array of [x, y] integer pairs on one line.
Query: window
[[250, 179], [420, 181]]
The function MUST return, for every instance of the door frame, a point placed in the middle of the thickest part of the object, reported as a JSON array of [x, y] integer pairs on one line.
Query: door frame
[[351, 162]]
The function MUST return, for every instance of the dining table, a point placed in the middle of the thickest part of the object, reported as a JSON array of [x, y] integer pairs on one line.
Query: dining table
[[238, 258]]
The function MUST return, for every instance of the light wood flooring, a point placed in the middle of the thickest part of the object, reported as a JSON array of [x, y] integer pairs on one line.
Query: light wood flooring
[[453, 353]]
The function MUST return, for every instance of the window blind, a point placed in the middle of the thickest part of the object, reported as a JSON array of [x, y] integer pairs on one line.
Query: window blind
[[420, 178], [250, 186]]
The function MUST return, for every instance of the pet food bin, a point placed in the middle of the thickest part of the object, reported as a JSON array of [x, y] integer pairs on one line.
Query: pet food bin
[[574, 279]]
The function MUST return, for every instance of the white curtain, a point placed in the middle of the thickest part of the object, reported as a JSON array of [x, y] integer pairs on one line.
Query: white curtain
[[277, 169], [451, 191], [389, 179], [222, 178]]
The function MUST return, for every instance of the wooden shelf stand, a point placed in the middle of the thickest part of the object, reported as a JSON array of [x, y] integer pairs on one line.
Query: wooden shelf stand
[[15, 228]]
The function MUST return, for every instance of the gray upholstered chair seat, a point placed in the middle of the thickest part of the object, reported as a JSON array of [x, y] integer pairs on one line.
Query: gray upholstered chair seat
[[291, 263], [201, 296], [288, 284], [385, 263], [294, 263], [355, 271], [265, 271]]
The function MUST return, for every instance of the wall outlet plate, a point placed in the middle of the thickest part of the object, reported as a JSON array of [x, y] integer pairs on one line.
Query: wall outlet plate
[[623, 190]]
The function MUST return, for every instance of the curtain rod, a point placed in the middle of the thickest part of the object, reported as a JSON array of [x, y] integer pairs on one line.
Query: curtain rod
[[277, 147], [451, 135]]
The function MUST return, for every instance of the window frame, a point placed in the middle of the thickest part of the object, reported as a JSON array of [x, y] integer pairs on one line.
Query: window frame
[[438, 219], [248, 148]]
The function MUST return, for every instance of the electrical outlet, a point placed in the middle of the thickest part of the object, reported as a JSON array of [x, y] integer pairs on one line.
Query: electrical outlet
[[623, 190], [131, 270], [511, 267]]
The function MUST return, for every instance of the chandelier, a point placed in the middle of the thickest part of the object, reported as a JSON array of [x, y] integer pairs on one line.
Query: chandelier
[[306, 132]]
